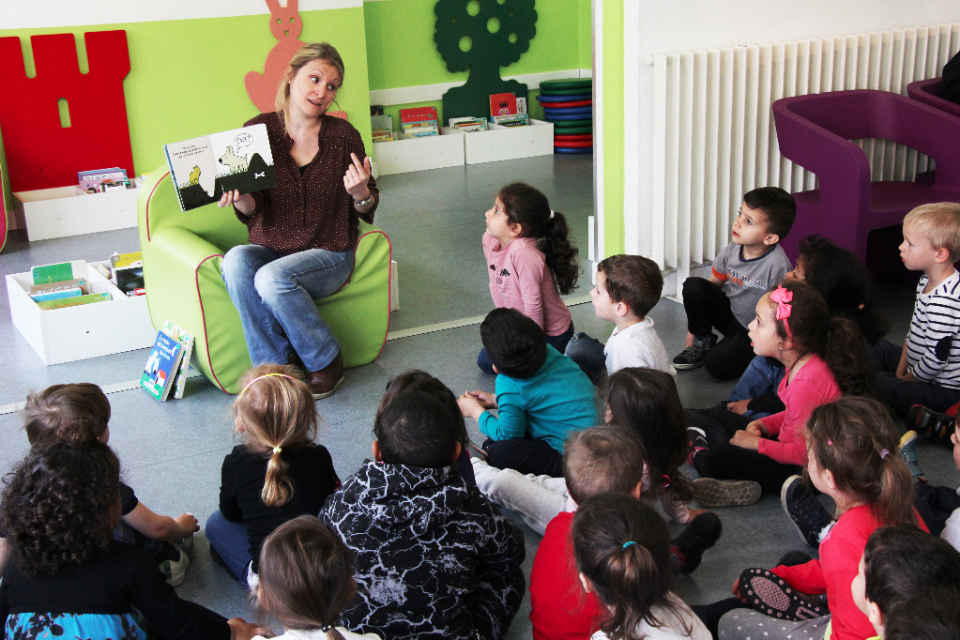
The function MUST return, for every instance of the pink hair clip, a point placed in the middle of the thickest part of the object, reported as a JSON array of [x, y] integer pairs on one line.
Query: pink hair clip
[[830, 442], [666, 482], [884, 454], [783, 297]]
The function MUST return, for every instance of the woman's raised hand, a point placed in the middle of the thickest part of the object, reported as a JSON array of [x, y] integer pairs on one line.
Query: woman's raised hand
[[243, 203], [356, 177]]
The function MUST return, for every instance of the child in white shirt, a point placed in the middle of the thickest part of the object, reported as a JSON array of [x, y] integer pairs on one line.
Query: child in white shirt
[[628, 287]]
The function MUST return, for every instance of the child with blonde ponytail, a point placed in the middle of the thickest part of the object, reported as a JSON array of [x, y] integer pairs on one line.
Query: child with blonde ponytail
[[277, 474]]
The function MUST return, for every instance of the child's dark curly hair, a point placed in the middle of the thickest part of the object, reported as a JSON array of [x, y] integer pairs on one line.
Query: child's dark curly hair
[[529, 208], [60, 505]]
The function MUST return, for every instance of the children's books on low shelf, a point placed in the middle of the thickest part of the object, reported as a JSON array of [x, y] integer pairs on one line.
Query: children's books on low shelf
[[205, 168], [420, 122], [93, 181], [382, 128], [505, 111], [186, 341], [468, 124], [162, 366], [126, 271], [62, 285]]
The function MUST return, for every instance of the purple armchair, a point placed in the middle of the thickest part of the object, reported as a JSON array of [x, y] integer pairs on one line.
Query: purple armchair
[[815, 132], [928, 92]]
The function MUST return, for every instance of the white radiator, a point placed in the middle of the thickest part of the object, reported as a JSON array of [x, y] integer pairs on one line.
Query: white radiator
[[714, 137]]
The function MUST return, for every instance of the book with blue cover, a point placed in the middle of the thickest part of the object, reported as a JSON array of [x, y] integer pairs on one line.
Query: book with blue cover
[[162, 366]]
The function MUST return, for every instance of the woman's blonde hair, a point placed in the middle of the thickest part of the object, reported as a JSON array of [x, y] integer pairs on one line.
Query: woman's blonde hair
[[307, 53], [276, 413]]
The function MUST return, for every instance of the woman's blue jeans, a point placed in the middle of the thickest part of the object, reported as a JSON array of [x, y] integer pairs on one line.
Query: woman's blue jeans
[[275, 297], [230, 541], [762, 378]]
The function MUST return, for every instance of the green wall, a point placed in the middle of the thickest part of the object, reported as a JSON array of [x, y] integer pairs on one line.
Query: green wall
[[186, 76], [613, 149], [401, 51]]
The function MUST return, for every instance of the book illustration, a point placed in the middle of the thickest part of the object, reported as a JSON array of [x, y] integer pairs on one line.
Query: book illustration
[[161, 366], [186, 341], [503, 104], [205, 168], [419, 122], [63, 303]]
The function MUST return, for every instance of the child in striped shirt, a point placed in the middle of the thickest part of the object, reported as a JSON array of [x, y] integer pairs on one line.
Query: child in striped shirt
[[928, 371]]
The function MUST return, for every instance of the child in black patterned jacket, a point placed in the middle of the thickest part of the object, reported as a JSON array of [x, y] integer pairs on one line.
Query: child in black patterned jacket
[[433, 559]]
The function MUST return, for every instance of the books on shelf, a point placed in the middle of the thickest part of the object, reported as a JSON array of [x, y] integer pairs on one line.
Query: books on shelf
[[515, 120], [126, 271], [54, 287], [91, 181], [503, 104], [205, 168], [382, 128], [467, 124], [419, 122], [186, 342], [58, 272], [162, 366], [63, 303]]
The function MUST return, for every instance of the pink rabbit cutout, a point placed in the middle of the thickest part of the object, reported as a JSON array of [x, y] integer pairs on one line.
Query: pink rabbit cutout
[[286, 26]]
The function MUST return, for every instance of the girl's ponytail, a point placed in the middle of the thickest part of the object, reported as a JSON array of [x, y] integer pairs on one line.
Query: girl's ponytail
[[276, 413], [277, 488], [529, 208], [855, 439], [622, 547], [847, 358]]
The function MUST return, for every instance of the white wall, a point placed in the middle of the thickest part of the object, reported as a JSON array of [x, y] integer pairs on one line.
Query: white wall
[[656, 26]]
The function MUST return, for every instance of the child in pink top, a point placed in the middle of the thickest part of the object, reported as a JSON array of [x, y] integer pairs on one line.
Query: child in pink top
[[824, 359], [530, 262]]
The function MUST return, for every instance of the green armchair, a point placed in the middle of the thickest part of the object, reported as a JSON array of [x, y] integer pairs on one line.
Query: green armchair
[[182, 252]]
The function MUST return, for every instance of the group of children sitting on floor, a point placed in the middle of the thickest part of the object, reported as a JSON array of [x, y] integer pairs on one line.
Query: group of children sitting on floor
[[412, 544]]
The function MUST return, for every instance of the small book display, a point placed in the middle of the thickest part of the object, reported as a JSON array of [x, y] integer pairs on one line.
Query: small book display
[[162, 366], [205, 168]]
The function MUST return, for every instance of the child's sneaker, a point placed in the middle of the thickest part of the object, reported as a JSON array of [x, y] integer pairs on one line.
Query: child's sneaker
[[909, 455], [175, 571], [701, 534], [807, 514], [713, 493], [696, 442], [692, 356], [936, 426], [769, 594]]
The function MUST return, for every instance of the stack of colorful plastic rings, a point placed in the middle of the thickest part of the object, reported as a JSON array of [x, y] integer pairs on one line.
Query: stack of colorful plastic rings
[[568, 104]]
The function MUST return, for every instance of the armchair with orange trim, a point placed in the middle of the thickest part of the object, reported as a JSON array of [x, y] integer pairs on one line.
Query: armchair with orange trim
[[182, 252]]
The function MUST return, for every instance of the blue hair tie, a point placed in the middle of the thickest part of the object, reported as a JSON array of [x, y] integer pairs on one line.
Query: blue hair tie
[[627, 544]]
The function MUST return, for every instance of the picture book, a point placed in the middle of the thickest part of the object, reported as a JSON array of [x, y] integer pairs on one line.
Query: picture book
[[45, 274], [51, 287], [186, 341], [90, 181], [381, 128], [162, 366], [63, 303], [503, 104], [127, 273], [468, 123], [419, 122], [56, 295], [205, 168]]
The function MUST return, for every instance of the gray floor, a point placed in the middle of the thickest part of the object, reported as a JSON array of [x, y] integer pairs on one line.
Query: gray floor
[[171, 451]]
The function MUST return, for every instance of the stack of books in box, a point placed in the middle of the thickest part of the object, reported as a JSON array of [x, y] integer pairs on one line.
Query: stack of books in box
[[507, 110], [420, 122], [467, 124], [58, 286]]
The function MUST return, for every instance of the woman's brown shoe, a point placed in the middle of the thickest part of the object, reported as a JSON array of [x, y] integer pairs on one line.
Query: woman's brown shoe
[[324, 382]]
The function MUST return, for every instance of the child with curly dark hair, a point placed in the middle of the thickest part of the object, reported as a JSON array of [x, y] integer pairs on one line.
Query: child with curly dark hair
[[79, 412], [530, 262], [67, 576]]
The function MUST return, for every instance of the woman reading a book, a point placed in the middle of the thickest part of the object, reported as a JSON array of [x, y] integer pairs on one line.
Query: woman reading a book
[[303, 232]]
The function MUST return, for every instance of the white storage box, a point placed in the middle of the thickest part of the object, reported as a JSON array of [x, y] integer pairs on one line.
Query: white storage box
[[70, 211], [84, 331], [509, 143], [418, 154]]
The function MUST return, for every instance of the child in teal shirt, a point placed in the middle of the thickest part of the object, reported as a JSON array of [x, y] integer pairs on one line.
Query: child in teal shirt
[[541, 397]]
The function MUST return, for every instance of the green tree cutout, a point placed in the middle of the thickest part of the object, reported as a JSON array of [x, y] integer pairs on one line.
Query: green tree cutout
[[480, 36]]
